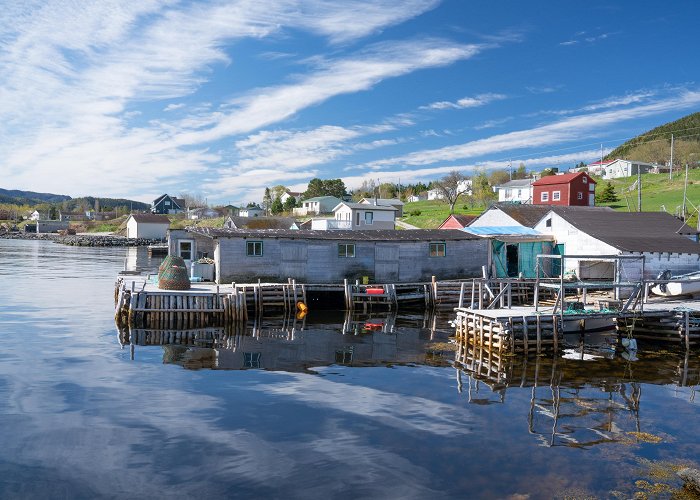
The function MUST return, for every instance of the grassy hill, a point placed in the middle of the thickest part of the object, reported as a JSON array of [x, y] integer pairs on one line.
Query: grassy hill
[[433, 212], [655, 145]]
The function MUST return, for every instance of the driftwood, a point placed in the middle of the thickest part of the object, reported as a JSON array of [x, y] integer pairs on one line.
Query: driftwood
[[691, 478]]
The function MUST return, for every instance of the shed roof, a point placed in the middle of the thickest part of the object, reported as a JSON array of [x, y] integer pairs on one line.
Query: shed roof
[[307, 234], [561, 179], [635, 231], [262, 222], [383, 201], [151, 218], [516, 183], [365, 206]]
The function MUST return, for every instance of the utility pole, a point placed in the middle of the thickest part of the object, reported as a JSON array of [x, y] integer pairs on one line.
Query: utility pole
[[685, 189], [639, 188], [670, 168], [510, 169]]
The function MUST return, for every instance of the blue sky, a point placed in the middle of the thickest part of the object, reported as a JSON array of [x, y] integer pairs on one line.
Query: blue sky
[[221, 99]]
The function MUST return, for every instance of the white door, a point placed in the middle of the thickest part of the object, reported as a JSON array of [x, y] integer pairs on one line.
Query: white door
[[185, 249], [591, 200]]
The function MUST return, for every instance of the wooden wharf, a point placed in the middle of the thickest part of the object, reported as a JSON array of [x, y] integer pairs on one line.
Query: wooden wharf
[[139, 303]]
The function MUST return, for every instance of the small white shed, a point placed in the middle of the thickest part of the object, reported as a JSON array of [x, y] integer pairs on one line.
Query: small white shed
[[154, 226]]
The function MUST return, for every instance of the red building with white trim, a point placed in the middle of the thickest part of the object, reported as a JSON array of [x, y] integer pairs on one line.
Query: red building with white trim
[[576, 189]]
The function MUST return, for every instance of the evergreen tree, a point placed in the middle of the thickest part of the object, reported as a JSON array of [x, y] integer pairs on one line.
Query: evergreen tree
[[607, 195], [276, 207], [290, 203]]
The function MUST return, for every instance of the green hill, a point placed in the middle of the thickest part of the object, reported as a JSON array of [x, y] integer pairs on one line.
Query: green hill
[[655, 145]]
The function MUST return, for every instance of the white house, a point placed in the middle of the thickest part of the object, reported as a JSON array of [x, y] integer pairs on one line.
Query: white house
[[35, 215], [624, 168], [363, 216], [415, 197], [317, 205], [516, 191], [290, 194], [201, 213], [465, 186], [664, 241], [386, 202], [250, 212], [154, 226]]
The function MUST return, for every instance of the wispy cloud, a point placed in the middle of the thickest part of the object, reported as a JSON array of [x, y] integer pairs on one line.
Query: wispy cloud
[[568, 129], [583, 37], [466, 102]]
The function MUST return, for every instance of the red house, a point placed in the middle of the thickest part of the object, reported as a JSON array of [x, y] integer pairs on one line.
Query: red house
[[576, 189]]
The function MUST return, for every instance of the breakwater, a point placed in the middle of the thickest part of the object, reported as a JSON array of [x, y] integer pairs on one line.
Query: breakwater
[[84, 240]]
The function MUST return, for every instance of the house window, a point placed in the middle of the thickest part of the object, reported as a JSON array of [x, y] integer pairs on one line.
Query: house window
[[369, 218], [556, 196], [579, 196], [585, 179], [548, 223], [437, 249], [254, 248], [357, 219], [346, 250], [544, 196]]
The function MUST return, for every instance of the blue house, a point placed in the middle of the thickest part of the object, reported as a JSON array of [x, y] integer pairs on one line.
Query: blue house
[[166, 204]]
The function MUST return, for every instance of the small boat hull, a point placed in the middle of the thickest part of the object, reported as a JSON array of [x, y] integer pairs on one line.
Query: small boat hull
[[687, 285]]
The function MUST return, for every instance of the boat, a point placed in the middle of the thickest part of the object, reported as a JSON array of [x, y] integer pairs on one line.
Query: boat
[[682, 284]]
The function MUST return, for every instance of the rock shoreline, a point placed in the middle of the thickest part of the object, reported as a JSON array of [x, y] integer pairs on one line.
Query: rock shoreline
[[83, 240]]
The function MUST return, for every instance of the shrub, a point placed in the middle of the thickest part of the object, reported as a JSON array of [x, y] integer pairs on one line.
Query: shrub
[[414, 213]]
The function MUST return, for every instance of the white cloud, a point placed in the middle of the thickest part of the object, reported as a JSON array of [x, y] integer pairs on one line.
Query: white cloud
[[466, 102], [568, 129]]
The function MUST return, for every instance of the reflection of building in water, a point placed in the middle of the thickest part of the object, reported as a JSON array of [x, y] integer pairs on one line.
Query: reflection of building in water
[[137, 259], [573, 402], [293, 345]]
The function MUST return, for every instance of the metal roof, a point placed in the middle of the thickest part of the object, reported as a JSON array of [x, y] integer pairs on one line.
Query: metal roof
[[529, 215], [151, 218], [308, 234]]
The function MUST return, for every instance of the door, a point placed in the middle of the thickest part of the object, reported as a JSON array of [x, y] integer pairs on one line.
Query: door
[[185, 249], [386, 263], [512, 260], [591, 199], [556, 263]]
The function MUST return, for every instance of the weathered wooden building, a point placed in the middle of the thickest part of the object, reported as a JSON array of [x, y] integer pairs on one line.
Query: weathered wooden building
[[390, 256]]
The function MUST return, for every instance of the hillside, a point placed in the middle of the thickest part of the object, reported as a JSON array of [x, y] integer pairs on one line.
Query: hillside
[[655, 145], [30, 197]]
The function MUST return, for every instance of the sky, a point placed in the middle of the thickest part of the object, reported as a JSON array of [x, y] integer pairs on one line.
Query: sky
[[222, 99]]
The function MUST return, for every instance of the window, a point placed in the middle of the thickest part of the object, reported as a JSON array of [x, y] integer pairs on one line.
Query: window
[[369, 217], [254, 248], [556, 196], [251, 360], [346, 250], [585, 179], [185, 250], [548, 223], [437, 249], [544, 196], [579, 196], [357, 219], [167, 203]]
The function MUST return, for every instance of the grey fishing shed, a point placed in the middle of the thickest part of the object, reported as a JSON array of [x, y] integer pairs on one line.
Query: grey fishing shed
[[384, 256]]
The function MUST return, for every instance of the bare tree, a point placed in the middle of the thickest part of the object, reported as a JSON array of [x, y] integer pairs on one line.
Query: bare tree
[[452, 186]]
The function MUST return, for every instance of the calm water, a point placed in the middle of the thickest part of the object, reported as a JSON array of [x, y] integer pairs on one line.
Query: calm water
[[286, 409]]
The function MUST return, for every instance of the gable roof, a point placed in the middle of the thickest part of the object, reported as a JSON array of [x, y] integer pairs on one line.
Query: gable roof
[[561, 179], [150, 218], [463, 220], [383, 201], [530, 215], [178, 201], [262, 222], [364, 206], [321, 199], [517, 183], [634, 231]]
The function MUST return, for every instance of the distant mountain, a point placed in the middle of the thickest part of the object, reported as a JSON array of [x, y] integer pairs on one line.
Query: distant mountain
[[30, 197], [655, 145], [64, 202]]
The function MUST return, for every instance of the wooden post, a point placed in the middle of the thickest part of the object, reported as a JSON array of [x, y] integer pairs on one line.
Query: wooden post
[[461, 294], [539, 335], [687, 330], [555, 332]]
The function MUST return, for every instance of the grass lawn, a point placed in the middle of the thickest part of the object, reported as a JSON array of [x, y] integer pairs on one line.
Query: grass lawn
[[434, 212], [658, 193]]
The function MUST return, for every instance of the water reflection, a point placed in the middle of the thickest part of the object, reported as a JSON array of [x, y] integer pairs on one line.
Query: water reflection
[[298, 344], [575, 402]]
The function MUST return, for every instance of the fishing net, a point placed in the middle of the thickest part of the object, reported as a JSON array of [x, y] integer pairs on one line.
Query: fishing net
[[173, 276]]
